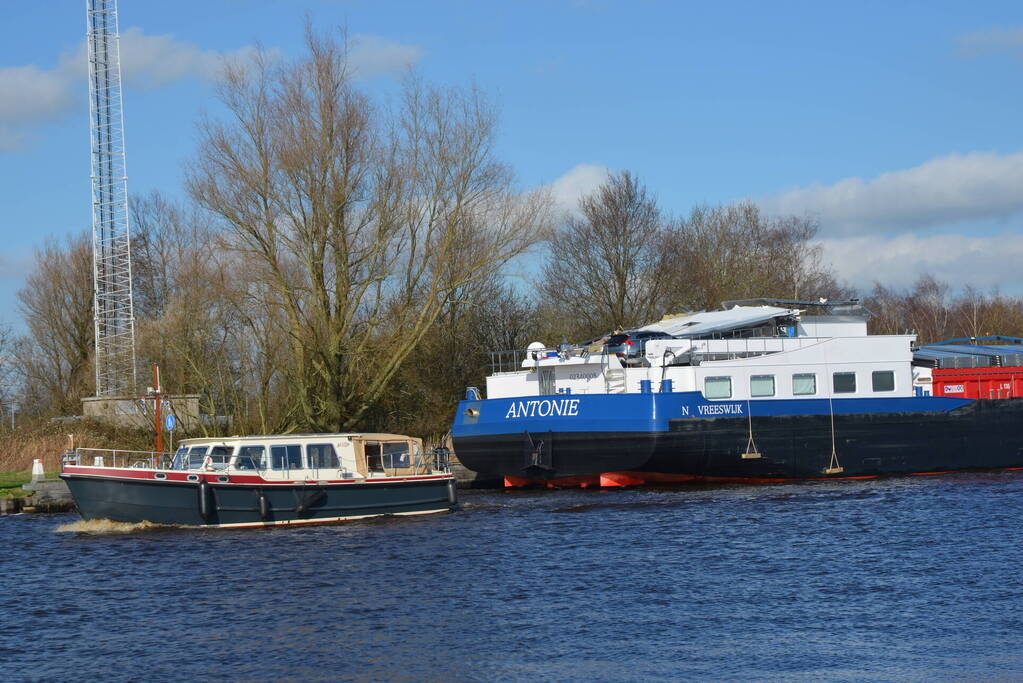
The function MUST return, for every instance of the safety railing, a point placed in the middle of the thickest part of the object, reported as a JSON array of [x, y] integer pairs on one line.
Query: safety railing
[[510, 360], [110, 457]]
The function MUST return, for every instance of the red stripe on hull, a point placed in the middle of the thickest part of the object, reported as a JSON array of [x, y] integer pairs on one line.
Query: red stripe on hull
[[623, 479]]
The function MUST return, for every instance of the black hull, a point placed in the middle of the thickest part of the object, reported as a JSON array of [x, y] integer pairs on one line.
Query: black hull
[[981, 435], [182, 503]]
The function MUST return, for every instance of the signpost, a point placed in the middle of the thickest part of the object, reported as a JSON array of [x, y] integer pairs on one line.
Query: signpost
[[169, 422]]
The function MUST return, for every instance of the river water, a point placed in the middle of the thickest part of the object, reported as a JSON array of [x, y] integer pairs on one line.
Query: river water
[[896, 579]]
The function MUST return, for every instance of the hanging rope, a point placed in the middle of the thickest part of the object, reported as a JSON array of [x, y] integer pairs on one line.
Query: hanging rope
[[751, 452], [834, 467]]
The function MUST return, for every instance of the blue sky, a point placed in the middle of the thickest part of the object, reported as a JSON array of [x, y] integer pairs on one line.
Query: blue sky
[[897, 125]]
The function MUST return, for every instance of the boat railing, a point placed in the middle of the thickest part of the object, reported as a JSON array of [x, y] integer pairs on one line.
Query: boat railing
[[510, 360], [110, 457], [437, 460], [441, 459]]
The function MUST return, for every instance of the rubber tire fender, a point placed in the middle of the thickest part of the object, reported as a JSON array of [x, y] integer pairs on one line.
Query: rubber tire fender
[[204, 500], [264, 506], [309, 499]]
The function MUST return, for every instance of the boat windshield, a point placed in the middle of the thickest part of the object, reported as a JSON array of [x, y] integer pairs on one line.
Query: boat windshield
[[214, 457], [178, 463], [196, 455]]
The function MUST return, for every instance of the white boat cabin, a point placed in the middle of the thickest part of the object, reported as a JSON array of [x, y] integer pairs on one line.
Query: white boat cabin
[[308, 456], [770, 351]]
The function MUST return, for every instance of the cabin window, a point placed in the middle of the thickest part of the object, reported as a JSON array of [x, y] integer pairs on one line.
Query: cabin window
[[883, 380], [396, 454], [761, 385], [717, 387], [844, 382], [196, 454], [374, 460], [322, 456], [804, 384], [286, 457], [180, 458], [220, 456], [251, 458]]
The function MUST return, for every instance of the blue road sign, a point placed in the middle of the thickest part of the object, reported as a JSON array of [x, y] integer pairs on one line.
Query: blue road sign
[[169, 422]]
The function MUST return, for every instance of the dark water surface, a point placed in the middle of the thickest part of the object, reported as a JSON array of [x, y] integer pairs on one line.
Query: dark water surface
[[913, 578]]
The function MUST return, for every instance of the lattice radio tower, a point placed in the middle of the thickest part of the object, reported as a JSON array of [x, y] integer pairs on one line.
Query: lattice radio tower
[[111, 244]]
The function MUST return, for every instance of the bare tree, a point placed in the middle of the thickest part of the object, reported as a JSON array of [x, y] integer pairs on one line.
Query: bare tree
[[736, 252], [361, 225], [606, 266], [55, 359], [932, 311]]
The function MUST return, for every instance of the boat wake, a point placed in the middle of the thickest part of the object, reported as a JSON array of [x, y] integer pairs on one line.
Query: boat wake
[[107, 526]]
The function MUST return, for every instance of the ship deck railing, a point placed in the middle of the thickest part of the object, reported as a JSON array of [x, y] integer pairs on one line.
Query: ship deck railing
[[118, 457], [437, 460], [709, 348]]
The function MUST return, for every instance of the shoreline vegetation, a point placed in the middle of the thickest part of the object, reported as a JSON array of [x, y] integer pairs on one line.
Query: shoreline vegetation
[[345, 263]]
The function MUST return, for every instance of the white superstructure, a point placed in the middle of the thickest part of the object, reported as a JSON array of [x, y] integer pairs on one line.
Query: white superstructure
[[744, 352]]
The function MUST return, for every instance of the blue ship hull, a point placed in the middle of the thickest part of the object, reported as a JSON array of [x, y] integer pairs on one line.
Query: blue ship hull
[[668, 437]]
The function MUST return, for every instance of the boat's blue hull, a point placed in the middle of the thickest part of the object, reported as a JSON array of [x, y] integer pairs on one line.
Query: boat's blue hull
[[217, 504], [682, 436]]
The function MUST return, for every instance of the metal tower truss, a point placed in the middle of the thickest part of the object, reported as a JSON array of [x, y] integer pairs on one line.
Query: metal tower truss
[[114, 316]]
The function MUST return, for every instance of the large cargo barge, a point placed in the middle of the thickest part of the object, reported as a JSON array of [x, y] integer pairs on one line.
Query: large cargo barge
[[763, 390]]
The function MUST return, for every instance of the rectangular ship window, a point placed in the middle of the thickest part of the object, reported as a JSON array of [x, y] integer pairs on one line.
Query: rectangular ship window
[[286, 457], [251, 458], [761, 385], [717, 387], [374, 458], [322, 456], [396, 454], [804, 384], [196, 454], [883, 380], [844, 382]]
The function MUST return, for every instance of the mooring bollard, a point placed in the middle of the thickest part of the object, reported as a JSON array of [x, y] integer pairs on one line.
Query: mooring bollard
[[37, 470]]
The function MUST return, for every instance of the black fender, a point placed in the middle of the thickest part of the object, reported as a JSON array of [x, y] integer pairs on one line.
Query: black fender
[[264, 505], [308, 499], [205, 509]]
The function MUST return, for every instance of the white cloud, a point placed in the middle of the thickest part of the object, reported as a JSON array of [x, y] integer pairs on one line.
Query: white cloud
[[991, 41], [977, 186], [983, 261], [153, 61], [28, 93], [577, 183], [370, 56]]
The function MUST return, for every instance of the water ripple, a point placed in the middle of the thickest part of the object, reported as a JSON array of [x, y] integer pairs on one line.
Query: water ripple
[[892, 579]]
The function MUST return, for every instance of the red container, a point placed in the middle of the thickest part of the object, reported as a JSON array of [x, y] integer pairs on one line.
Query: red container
[[978, 382]]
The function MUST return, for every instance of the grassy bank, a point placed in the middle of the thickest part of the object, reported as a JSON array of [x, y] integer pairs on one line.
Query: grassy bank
[[11, 483]]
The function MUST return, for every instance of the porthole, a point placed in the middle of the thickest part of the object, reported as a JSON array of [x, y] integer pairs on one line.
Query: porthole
[[159, 475], [223, 479], [193, 477]]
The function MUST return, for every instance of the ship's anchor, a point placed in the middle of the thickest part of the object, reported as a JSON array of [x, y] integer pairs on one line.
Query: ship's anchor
[[751, 452], [536, 458]]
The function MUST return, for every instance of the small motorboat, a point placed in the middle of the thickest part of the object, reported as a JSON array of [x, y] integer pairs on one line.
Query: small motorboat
[[250, 481]]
